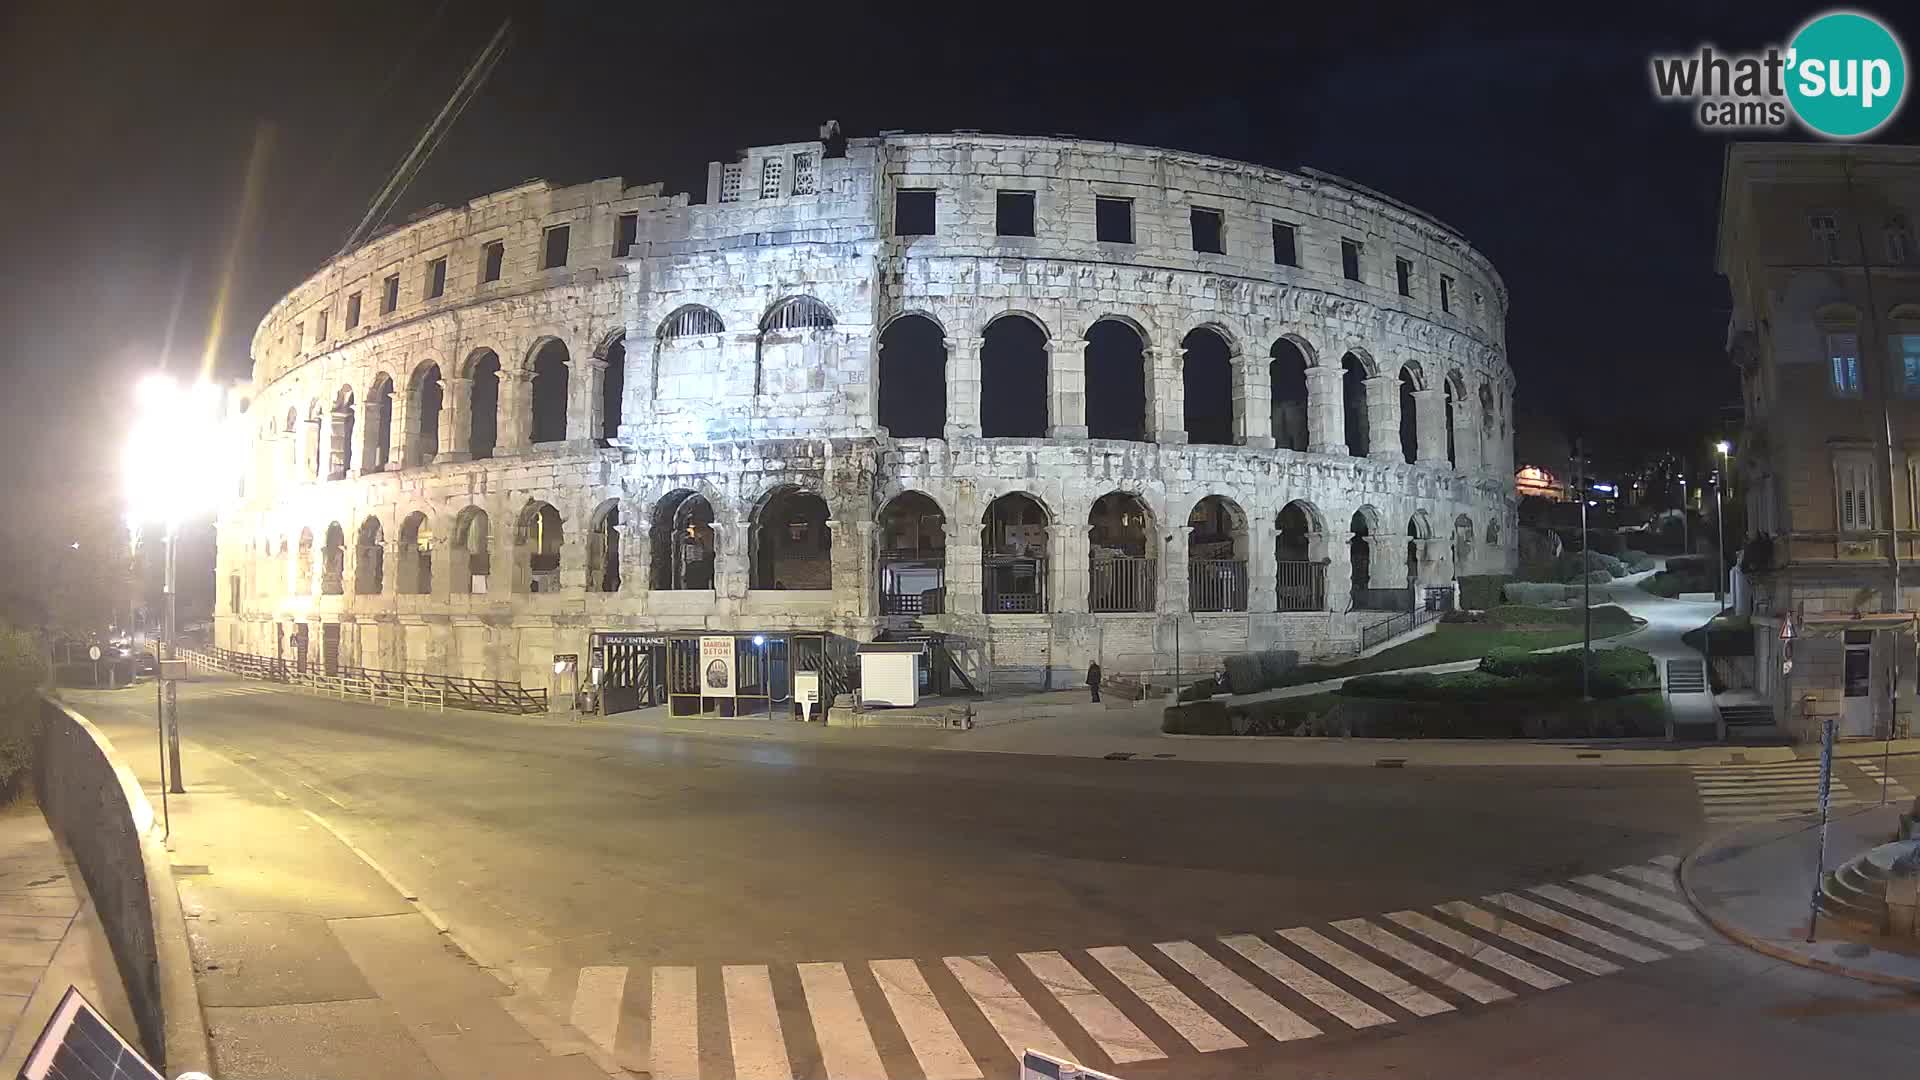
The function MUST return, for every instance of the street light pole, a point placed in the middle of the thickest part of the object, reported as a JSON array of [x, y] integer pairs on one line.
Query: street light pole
[[1586, 576], [1720, 530], [172, 691]]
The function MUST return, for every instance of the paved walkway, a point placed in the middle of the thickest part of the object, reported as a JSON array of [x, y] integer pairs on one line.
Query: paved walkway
[[50, 938], [1666, 621], [1754, 885]]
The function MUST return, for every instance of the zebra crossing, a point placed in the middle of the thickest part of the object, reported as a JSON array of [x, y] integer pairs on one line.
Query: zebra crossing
[[970, 1017], [1739, 794], [241, 690]]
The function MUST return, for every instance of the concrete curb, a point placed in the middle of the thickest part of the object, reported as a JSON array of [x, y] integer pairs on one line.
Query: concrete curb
[[1740, 936]]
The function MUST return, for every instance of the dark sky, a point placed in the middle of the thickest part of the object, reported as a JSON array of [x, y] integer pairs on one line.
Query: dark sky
[[126, 132]]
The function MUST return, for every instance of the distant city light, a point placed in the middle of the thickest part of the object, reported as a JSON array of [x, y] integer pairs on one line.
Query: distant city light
[[1608, 488], [1723, 446]]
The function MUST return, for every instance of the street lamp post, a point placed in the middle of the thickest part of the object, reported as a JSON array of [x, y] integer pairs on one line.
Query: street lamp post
[[1720, 527]]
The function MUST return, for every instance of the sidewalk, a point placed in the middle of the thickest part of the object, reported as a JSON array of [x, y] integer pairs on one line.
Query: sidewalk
[[50, 938], [1754, 886], [312, 962]]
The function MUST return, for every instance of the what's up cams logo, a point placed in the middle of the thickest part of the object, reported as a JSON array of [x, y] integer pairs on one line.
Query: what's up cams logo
[[1843, 76]]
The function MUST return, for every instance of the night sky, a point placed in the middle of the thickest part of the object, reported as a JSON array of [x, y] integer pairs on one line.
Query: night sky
[[127, 129]]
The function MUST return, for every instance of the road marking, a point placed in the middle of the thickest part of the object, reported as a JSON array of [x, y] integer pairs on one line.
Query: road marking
[[1305, 982], [1019, 1026], [1117, 1035], [1506, 928], [1671, 862], [596, 1004], [846, 1046], [532, 980], [1625, 920], [1660, 879], [1274, 1018], [1194, 1024], [1567, 924], [929, 1033], [1672, 909], [1445, 972], [1473, 948], [1367, 973], [674, 1021], [753, 1023]]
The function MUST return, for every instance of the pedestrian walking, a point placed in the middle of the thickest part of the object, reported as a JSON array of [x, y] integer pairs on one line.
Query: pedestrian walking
[[1093, 680]]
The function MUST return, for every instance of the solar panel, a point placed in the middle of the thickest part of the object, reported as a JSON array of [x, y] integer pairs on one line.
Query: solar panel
[[79, 1044]]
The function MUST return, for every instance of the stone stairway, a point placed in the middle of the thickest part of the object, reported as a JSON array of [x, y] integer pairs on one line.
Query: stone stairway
[[1747, 716], [1686, 677], [1856, 893]]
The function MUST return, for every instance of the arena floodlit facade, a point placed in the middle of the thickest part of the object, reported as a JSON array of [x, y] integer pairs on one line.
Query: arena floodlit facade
[[1058, 400]]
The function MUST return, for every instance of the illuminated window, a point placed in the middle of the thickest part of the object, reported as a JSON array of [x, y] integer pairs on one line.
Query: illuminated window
[[1843, 365], [1853, 491]]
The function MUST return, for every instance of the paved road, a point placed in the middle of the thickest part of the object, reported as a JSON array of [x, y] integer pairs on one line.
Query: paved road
[[713, 906]]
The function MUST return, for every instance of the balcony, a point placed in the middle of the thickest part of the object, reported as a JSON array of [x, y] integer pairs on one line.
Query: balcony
[[1217, 585], [1121, 584], [1301, 586]]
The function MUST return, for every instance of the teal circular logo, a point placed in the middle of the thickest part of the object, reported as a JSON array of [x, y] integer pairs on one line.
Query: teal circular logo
[[1847, 74]]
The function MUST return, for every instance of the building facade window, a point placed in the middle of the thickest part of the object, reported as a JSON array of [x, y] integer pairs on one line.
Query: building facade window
[[1209, 231], [1446, 293], [553, 254], [772, 171], [320, 326], [437, 278], [1899, 241], [1843, 364], [730, 182], [803, 174], [390, 294], [493, 258], [913, 212], [1113, 220], [1826, 237], [353, 310], [1286, 251], [1013, 213], [1403, 276], [1905, 350], [626, 235], [1350, 259], [1853, 492]]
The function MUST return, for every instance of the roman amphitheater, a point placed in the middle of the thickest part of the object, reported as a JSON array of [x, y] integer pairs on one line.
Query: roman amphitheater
[[1042, 401]]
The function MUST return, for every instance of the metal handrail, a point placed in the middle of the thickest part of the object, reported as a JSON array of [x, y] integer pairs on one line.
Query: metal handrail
[[377, 684]]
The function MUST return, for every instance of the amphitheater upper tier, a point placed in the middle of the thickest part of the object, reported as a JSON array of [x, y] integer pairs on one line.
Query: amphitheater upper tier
[[1059, 399]]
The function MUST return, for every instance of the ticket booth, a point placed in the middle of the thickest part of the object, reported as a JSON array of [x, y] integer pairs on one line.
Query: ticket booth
[[892, 672]]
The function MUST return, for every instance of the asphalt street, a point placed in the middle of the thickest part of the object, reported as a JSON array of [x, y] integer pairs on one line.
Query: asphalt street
[[588, 855]]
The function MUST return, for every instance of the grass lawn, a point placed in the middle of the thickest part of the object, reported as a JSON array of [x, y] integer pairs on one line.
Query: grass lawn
[[1471, 641]]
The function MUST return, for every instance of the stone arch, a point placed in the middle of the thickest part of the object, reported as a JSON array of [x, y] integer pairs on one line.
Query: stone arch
[[796, 313], [1123, 545], [333, 560], [547, 405], [538, 538], [790, 541], [470, 551], [1287, 362], [377, 445], [482, 367], [1013, 377], [1355, 370], [603, 547], [1493, 534], [1217, 550], [1300, 557], [1409, 413], [796, 321], [1116, 379], [1362, 529], [612, 354], [340, 434], [426, 396], [370, 558], [303, 569], [413, 558], [912, 559], [913, 374], [690, 320], [1454, 392], [1040, 324], [681, 541], [1013, 553], [1208, 363], [1488, 412], [1462, 543]]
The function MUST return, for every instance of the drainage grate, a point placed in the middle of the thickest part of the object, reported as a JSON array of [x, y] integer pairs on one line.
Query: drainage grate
[[1390, 763], [1120, 755]]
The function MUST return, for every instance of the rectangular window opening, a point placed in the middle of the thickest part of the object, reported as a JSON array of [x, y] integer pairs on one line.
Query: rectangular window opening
[[493, 259], [803, 174], [553, 254], [1843, 364], [1403, 276], [913, 212], [1350, 259], [437, 278], [1113, 220], [320, 328], [772, 172], [353, 310], [1826, 237], [627, 235], [1906, 351], [1446, 293], [1285, 251], [1209, 227], [1013, 213], [390, 294]]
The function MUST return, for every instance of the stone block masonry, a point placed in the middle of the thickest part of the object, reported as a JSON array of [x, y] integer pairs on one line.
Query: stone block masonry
[[774, 410]]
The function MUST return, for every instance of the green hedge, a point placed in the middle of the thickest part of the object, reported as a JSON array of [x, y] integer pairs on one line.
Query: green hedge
[[1637, 561], [1196, 718], [1607, 618], [23, 672], [1478, 592], [1516, 675]]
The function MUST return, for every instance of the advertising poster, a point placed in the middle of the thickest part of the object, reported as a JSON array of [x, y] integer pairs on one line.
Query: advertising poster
[[716, 666]]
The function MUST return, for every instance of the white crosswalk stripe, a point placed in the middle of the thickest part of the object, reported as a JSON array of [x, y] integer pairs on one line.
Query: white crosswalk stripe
[[1666, 862], [1895, 790], [1199, 991], [1741, 794]]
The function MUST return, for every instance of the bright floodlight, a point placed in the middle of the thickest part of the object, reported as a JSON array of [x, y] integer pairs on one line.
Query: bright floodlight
[[1723, 446], [178, 455]]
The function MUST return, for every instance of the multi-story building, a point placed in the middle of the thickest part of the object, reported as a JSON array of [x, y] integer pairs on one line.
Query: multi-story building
[[1058, 400], [1817, 245]]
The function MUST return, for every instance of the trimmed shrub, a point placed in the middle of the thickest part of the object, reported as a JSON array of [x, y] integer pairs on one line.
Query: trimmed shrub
[[1529, 592], [23, 671], [1243, 674], [1457, 616], [1479, 592], [1690, 564], [1197, 718], [1200, 690], [1279, 716], [1571, 566], [1275, 665], [1637, 561]]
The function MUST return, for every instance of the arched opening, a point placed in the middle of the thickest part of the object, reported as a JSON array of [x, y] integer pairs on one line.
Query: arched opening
[[682, 542], [913, 378], [603, 550], [484, 434], [792, 542], [1121, 546], [1013, 555], [429, 395], [414, 558], [1493, 534], [315, 421], [1353, 397], [1409, 418], [1217, 556], [1448, 384], [378, 449], [1418, 532], [537, 538], [687, 344], [370, 559], [1300, 568], [913, 556], [333, 561], [284, 566], [1116, 377], [340, 437], [470, 554], [1462, 544], [1206, 374], [789, 350], [1013, 379], [549, 410], [1287, 378], [613, 390], [1360, 551], [1487, 412], [303, 568]]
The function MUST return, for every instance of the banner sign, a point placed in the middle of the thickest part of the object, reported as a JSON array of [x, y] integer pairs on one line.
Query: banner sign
[[716, 666]]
